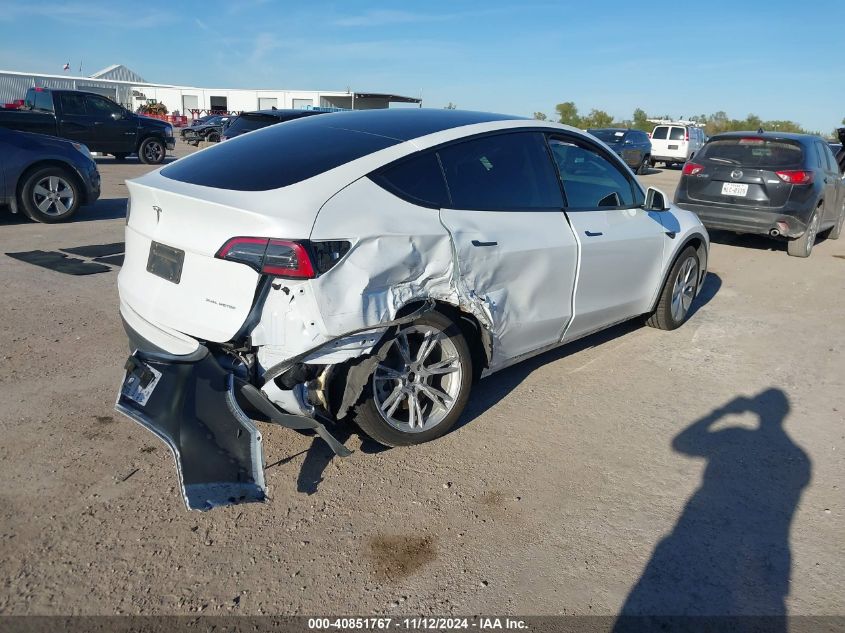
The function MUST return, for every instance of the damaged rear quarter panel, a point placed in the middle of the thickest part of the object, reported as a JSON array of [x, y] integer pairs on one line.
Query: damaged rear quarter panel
[[395, 258]]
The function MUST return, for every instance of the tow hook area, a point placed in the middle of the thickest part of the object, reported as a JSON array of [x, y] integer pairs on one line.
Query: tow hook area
[[191, 406]]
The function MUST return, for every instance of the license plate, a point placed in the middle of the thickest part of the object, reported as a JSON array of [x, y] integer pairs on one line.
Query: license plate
[[734, 189], [165, 262], [140, 383], [673, 147]]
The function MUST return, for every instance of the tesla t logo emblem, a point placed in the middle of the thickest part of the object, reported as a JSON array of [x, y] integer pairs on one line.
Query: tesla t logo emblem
[[736, 174], [158, 213]]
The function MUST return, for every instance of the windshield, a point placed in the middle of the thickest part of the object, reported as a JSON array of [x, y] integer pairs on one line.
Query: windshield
[[753, 152], [608, 136]]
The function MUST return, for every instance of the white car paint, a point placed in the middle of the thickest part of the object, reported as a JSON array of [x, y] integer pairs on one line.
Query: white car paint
[[544, 283], [687, 142]]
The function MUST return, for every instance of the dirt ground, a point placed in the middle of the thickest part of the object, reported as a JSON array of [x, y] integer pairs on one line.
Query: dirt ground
[[700, 469]]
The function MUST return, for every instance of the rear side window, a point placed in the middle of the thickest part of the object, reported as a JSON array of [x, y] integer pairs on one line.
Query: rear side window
[[753, 152], [276, 157], [501, 172], [39, 100], [418, 180], [73, 104], [677, 134], [660, 133]]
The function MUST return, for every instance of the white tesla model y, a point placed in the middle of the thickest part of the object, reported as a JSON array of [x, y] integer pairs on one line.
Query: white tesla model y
[[373, 265]]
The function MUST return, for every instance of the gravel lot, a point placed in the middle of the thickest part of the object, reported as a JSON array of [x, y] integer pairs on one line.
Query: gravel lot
[[581, 482]]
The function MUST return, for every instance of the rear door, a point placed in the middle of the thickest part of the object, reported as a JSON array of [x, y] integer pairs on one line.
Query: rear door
[[742, 172], [660, 140], [114, 129], [621, 244], [73, 119], [515, 250], [678, 145]]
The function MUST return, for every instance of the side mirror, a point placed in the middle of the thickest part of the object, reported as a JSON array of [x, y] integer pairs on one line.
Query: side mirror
[[655, 200]]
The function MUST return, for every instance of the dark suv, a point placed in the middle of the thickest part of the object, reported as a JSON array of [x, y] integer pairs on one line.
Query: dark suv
[[632, 146], [250, 121], [782, 185]]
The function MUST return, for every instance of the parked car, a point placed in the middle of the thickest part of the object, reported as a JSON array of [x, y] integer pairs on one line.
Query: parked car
[[211, 130], [251, 121], [633, 146], [45, 177], [674, 144], [782, 185], [93, 120], [378, 262], [840, 155]]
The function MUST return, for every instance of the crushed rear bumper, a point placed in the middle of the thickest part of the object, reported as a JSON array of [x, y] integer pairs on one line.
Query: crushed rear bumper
[[191, 406]]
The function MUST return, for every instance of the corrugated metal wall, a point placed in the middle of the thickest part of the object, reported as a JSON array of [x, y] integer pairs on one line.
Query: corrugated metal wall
[[13, 87]]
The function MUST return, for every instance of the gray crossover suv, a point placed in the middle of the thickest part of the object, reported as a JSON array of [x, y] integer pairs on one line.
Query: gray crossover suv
[[787, 186]]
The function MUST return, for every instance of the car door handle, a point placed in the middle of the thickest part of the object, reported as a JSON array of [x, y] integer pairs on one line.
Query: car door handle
[[591, 234], [478, 243]]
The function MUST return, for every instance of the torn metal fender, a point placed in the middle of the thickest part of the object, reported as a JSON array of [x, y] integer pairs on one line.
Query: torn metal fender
[[191, 407]]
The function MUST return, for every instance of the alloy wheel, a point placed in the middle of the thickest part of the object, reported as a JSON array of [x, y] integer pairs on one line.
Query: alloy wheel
[[417, 384], [153, 151], [53, 196], [812, 230], [683, 291]]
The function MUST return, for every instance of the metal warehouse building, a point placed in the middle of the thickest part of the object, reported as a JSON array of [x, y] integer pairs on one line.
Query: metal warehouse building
[[126, 87]]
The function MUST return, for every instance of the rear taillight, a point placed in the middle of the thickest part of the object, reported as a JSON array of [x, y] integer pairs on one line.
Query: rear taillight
[[691, 169], [686, 136], [796, 176], [280, 258]]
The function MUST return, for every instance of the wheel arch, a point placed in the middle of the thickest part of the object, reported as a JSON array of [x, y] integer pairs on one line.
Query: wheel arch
[[50, 162], [697, 241], [476, 336]]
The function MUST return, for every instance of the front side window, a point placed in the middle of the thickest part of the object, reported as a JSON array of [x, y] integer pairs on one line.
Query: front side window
[[501, 172], [590, 181], [98, 106], [418, 180], [73, 104]]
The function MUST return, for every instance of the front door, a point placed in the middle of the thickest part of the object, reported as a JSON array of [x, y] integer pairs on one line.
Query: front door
[[621, 243], [114, 127], [516, 254], [74, 120]]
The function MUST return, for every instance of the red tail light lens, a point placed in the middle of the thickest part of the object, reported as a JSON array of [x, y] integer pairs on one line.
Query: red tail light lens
[[796, 176], [691, 169], [280, 258], [686, 135]]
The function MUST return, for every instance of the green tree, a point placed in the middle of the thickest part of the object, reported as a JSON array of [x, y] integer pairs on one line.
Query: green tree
[[568, 114], [540, 116], [640, 121], [597, 119]]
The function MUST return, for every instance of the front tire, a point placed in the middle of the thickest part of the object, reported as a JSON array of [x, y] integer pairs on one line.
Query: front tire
[[803, 246], [152, 151], [418, 392], [50, 195], [213, 137], [678, 292]]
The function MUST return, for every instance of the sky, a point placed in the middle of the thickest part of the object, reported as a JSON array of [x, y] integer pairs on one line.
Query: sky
[[776, 59]]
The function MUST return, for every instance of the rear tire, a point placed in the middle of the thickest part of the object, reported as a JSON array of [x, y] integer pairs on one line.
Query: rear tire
[[152, 151], [678, 292], [50, 195], [803, 246], [418, 392], [644, 166]]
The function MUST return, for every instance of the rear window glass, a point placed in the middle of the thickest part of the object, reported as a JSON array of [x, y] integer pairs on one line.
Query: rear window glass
[[250, 122], [660, 133], [753, 152], [677, 134], [608, 136], [506, 171], [276, 157], [418, 180], [39, 100]]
